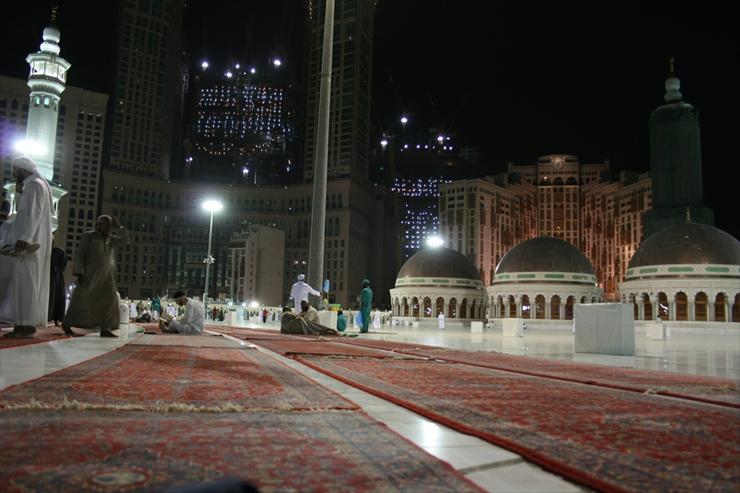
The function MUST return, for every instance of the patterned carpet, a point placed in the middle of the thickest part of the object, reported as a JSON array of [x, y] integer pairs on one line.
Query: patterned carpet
[[607, 439], [153, 377], [46, 334], [322, 348], [710, 389], [74, 451], [205, 340]]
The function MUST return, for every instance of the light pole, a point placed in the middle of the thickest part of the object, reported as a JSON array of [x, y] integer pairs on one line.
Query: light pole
[[318, 205], [209, 206]]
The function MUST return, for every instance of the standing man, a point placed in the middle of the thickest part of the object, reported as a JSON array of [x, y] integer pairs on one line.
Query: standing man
[[300, 292], [192, 322], [366, 301], [31, 232], [57, 301], [441, 320], [94, 302]]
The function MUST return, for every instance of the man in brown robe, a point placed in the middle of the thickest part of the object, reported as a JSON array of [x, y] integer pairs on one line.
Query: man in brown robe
[[94, 302], [307, 322]]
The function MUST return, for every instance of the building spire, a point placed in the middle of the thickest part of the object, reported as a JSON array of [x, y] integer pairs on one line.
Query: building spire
[[54, 9], [672, 84]]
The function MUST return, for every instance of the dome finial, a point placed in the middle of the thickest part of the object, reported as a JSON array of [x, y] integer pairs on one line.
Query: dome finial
[[672, 84], [54, 9]]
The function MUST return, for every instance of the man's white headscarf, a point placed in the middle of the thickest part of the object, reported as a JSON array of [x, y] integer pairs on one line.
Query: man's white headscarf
[[25, 163], [301, 277]]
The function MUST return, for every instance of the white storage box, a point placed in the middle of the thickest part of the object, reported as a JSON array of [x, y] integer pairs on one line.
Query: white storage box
[[476, 326], [604, 328], [512, 327], [328, 319], [656, 330]]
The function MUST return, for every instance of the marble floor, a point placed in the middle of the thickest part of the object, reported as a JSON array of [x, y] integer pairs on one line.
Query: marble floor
[[491, 467]]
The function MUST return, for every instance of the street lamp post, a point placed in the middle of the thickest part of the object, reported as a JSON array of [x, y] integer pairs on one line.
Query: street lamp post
[[210, 206]]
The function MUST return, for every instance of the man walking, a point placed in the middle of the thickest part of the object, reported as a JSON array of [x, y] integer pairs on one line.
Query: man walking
[[94, 302]]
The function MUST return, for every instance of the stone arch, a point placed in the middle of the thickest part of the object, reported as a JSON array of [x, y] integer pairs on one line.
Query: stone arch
[[464, 308], [396, 308], [414, 306], [736, 308], [427, 307], [555, 307], [663, 313], [526, 308], [405, 306], [569, 302], [632, 298], [719, 307], [681, 302], [647, 307], [539, 307], [452, 308], [439, 306], [701, 307], [512, 307], [584, 299], [474, 309], [594, 299], [501, 307]]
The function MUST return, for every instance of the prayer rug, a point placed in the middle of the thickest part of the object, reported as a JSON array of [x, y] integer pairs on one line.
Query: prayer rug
[[322, 348], [72, 451], [162, 378], [606, 439], [46, 334], [694, 387], [205, 340], [254, 335]]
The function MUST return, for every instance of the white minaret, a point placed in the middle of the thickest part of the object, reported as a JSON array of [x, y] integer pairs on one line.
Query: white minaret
[[47, 82]]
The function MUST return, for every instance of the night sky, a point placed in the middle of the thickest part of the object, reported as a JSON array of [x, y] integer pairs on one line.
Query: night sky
[[517, 79]]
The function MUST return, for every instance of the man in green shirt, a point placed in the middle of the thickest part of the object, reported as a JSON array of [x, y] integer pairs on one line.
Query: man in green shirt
[[366, 302]]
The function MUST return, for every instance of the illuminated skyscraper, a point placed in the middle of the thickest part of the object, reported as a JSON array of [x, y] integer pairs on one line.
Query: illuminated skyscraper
[[244, 127]]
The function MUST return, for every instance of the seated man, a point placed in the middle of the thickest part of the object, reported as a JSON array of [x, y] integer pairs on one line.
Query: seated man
[[306, 322], [341, 321], [192, 321]]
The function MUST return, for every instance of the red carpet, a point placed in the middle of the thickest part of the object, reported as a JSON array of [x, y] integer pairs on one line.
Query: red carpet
[[70, 452], [321, 348], [705, 389], [254, 335], [606, 439], [147, 376], [46, 334]]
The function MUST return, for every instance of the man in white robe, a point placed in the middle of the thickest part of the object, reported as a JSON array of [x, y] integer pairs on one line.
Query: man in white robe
[[192, 322], [30, 233], [300, 292]]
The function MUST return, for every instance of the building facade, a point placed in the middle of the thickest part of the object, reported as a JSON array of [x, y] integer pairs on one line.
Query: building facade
[[169, 233], [349, 130], [244, 127], [596, 211], [257, 257], [146, 105]]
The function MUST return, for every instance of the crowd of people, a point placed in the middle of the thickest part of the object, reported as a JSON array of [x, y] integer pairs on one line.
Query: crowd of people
[[32, 280]]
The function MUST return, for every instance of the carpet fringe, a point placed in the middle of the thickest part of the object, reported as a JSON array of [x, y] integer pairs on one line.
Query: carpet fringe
[[158, 407]]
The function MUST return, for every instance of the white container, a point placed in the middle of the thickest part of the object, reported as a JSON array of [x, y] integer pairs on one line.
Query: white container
[[512, 327], [123, 312], [604, 328], [476, 326]]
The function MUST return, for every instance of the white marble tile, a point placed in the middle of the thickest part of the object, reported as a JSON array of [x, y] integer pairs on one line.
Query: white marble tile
[[521, 478], [472, 456]]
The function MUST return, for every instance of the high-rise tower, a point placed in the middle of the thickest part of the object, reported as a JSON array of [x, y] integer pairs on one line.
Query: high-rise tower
[[349, 116], [146, 101], [675, 162]]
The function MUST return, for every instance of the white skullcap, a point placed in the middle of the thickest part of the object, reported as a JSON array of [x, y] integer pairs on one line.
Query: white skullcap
[[25, 163], [301, 277]]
